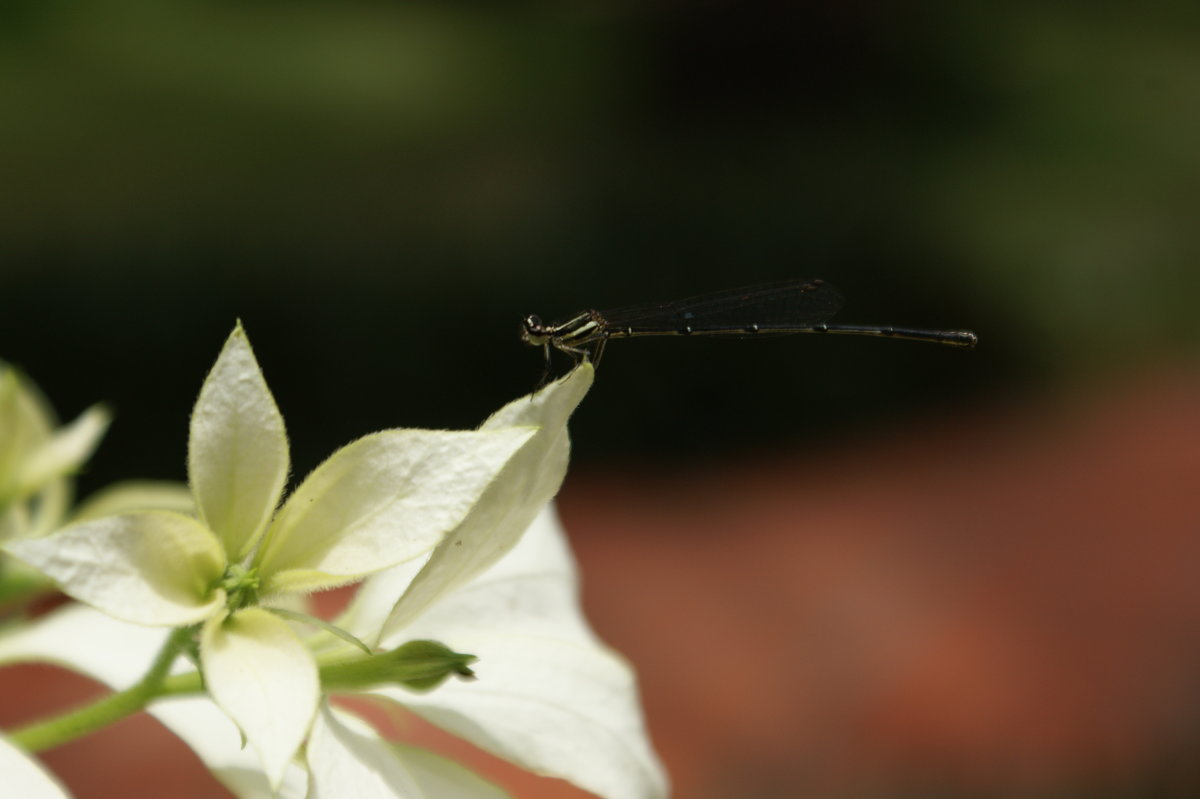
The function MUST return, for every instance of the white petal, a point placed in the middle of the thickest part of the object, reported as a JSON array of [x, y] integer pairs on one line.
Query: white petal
[[64, 451], [533, 589], [16, 435], [553, 708], [237, 448], [440, 777], [376, 597], [348, 758], [135, 495], [382, 500], [261, 674], [117, 654], [216, 741], [548, 695], [24, 776], [26, 422], [83, 639], [152, 567], [498, 520]]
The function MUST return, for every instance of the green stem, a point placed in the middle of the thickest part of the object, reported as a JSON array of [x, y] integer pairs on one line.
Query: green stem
[[181, 684], [420, 665], [78, 723]]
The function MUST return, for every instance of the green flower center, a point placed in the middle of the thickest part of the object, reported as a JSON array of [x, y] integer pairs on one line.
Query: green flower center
[[241, 587]]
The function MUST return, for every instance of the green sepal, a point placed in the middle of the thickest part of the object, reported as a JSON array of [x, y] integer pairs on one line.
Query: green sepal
[[417, 665], [432, 662]]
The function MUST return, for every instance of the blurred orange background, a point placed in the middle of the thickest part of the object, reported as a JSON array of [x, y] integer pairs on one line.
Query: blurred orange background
[[999, 603]]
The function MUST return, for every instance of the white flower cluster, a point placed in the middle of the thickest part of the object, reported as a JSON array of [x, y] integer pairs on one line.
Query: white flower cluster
[[451, 533]]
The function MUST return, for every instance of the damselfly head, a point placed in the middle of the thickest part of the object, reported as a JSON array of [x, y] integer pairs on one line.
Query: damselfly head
[[533, 331]]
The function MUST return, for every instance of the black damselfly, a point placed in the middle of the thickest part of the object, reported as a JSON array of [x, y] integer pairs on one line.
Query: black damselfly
[[789, 306]]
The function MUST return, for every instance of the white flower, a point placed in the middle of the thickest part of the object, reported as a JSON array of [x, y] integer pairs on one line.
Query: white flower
[[500, 585], [383, 500], [24, 776], [548, 696], [35, 458]]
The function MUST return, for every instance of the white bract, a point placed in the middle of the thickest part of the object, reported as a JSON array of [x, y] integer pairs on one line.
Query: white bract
[[386, 499], [348, 758], [36, 458], [502, 586], [549, 695], [465, 549], [117, 653], [24, 776]]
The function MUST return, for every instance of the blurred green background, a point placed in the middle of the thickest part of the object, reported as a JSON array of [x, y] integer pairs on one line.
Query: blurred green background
[[381, 190]]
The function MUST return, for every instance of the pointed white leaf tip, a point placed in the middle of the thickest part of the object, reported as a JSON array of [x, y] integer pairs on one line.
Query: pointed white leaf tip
[[237, 448], [511, 502]]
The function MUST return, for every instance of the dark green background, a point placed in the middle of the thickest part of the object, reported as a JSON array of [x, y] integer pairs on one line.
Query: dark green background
[[380, 191]]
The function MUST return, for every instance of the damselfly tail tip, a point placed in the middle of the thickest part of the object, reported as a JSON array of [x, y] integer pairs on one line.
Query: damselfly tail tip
[[967, 340]]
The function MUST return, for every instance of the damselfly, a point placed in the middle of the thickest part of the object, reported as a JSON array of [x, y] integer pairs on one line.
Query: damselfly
[[789, 306]]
